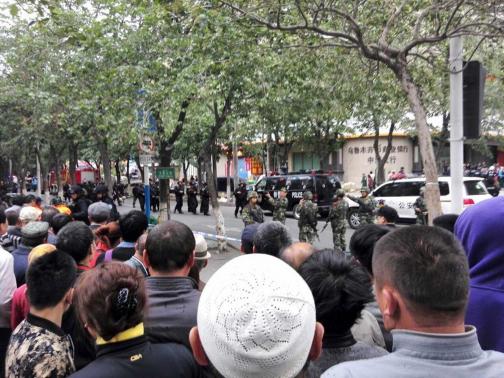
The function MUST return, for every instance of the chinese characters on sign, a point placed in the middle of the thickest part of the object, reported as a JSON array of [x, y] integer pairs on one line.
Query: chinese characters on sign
[[362, 150]]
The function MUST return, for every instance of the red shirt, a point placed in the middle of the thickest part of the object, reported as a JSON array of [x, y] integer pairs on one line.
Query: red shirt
[[20, 306]]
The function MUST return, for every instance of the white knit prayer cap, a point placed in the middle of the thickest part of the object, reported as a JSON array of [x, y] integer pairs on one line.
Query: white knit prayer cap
[[256, 318]]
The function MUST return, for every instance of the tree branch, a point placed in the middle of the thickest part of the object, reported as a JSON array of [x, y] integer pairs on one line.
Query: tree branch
[[383, 38]]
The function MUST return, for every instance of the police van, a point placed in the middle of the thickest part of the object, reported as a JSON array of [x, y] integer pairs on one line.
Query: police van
[[322, 185]]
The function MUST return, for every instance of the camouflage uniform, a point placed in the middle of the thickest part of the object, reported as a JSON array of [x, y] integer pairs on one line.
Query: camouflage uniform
[[39, 348], [337, 217], [422, 214], [279, 208], [251, 215], [367, 206], [308, 221]]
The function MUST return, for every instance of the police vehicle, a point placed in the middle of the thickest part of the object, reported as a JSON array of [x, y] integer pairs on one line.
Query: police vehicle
[[401, 194], [322, 185]]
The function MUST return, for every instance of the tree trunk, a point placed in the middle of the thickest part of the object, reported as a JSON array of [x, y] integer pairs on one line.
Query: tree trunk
[[219, 218], [228, 181], [380, 161], [184, 169], [118, 170], [72, 164], [57, 171], [214, 164], [39, 173], [165, 157], [137, 161], [235, 165], [104, 154], [128, 170], [432, 194]]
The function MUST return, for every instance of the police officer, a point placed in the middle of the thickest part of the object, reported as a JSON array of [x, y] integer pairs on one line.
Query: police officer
[[79, 204], [307, 222], [252, 212], [241, 197], [337, 217], [421, 208], [179, 197], [367, 206], [205, 199], [279, 205], [101, 194], [192, 201]]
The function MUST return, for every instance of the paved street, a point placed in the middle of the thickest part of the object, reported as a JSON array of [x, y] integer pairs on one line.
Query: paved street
[[234, 228]]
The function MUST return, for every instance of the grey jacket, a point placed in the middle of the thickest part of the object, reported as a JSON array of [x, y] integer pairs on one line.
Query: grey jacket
[[421, 355], [172, 307]]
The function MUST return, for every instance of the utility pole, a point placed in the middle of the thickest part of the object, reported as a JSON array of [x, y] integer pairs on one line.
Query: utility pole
[[457, 124]]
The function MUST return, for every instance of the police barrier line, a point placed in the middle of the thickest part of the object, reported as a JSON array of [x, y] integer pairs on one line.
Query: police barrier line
[[216, 237]]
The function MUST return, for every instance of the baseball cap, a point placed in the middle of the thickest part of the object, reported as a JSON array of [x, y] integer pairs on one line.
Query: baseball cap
[[256, 318]]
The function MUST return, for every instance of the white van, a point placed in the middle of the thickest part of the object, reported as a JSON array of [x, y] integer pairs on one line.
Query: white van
[[401, 194]]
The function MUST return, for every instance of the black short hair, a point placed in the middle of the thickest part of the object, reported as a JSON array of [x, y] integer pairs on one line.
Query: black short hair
[[169, 246], [48, 214], [446, 221], [18, 200], [75, 239], [49, 278], [3, 217], [12, 217], [363, 241], [389, 213], [59, 221], [340, 288], [271, 238], [28, 199], [247, 237], [427, 266], [133, 225]]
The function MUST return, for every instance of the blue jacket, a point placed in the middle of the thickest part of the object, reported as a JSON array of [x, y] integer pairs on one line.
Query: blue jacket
[[480, 228], [20, 255]]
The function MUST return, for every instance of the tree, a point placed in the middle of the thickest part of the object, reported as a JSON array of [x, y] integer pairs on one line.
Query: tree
[[411, 31]]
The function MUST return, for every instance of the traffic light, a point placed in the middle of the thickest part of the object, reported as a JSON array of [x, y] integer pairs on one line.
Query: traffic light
[[474, 88]]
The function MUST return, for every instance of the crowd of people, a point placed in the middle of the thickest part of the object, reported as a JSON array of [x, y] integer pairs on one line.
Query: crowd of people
[[107, 297]]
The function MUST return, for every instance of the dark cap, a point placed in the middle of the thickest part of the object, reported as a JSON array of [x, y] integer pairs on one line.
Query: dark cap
[[35, 230], [76, 189]]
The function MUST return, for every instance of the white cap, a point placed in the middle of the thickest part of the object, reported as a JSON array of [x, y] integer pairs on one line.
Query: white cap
[[201, 248], [29, 214], [256, 318]]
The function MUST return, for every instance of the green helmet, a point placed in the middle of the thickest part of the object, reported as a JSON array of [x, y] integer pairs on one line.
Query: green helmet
[[340, 193], [252, 194], [364, 189], [307, 195]]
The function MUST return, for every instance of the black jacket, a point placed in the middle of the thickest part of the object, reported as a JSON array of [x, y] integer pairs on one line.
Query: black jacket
[[80, 209], [139, 358]]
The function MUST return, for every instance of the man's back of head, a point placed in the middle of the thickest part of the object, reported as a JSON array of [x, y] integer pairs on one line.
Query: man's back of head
[[256, 318], [49, 278], [297, 253], [387, 214], [99, 212], [48, 214], [75, 239], [271, 238], [425, 269], [341, 290], [363, 242], [133, 225], [59, 221], [169, 248]]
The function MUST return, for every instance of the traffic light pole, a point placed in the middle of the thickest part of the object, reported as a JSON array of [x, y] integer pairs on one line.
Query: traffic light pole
[[456, 124], [147, 191]]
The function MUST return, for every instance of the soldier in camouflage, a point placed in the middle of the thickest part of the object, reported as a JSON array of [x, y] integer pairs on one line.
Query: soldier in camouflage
[[307, 219], [337, 217], [367, 206], [279, 205], [421, 208], [252, 212]]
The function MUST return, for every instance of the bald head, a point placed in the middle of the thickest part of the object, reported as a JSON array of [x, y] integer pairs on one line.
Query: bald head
[[297, 253]]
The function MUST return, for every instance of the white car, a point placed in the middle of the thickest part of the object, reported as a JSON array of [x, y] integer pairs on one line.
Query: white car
[[401, 194]]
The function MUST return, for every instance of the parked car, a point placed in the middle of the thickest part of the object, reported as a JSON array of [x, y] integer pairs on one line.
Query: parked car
[[401, 194], [322, 185]]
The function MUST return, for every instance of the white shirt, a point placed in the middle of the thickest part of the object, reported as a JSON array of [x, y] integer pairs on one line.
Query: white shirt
[[7, 286]]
